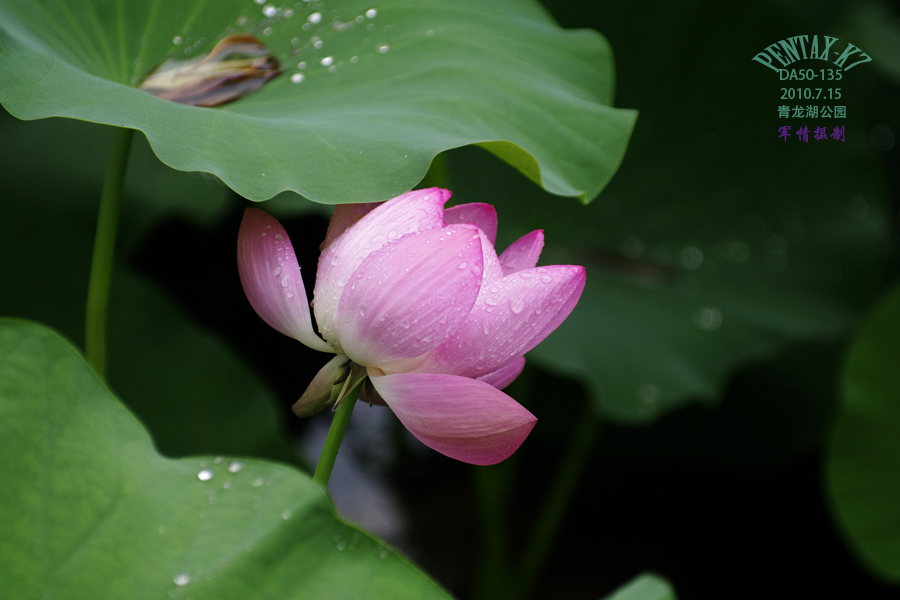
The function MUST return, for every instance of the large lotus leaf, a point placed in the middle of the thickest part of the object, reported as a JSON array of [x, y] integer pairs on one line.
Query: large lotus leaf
[[88, 509], [717, 245], [385, 87], [863, 468], [190, 389]]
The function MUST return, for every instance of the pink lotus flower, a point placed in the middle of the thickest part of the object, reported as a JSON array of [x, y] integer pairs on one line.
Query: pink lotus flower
[[414, 298]]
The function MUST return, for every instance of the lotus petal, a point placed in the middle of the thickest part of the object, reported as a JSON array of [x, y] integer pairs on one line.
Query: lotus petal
[[462, 418], [523, 253], [476, 213], [511, 316], [505, 375], [271, 278], [419, 210], [409, 296]]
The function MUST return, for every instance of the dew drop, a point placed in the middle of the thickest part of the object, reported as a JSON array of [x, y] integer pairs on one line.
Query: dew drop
[[260, 2], [318, 44], [205, 475], [371, 13], [354, 59], [382, 49], [258, 482], [286, 515], [327, 61], [429, 33], [517, 305], [297, 77], [301, 65], [270, 10], [176, 40], [267, 31], [182, 579], [462, 265], [315, 18], [546, 279]]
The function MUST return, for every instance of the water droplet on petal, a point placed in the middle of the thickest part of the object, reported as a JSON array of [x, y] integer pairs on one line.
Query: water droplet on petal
[[517, 305], [462, 265], [546, 279]]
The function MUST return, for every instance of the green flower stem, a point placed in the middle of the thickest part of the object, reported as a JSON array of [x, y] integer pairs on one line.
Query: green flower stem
[[551, 517], [102, 259], [492, 486], [335, 436]]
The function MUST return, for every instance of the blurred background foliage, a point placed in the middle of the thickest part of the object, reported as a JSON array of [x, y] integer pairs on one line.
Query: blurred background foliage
[[728, 272]]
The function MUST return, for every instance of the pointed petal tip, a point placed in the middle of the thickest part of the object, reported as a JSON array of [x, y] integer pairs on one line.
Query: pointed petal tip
[[483, 215], [270, 276], [523, 253]]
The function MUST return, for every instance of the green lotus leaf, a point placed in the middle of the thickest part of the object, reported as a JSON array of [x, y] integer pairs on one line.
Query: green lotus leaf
[[864, 456], [718, 245], [88, 509], [370, 93]]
